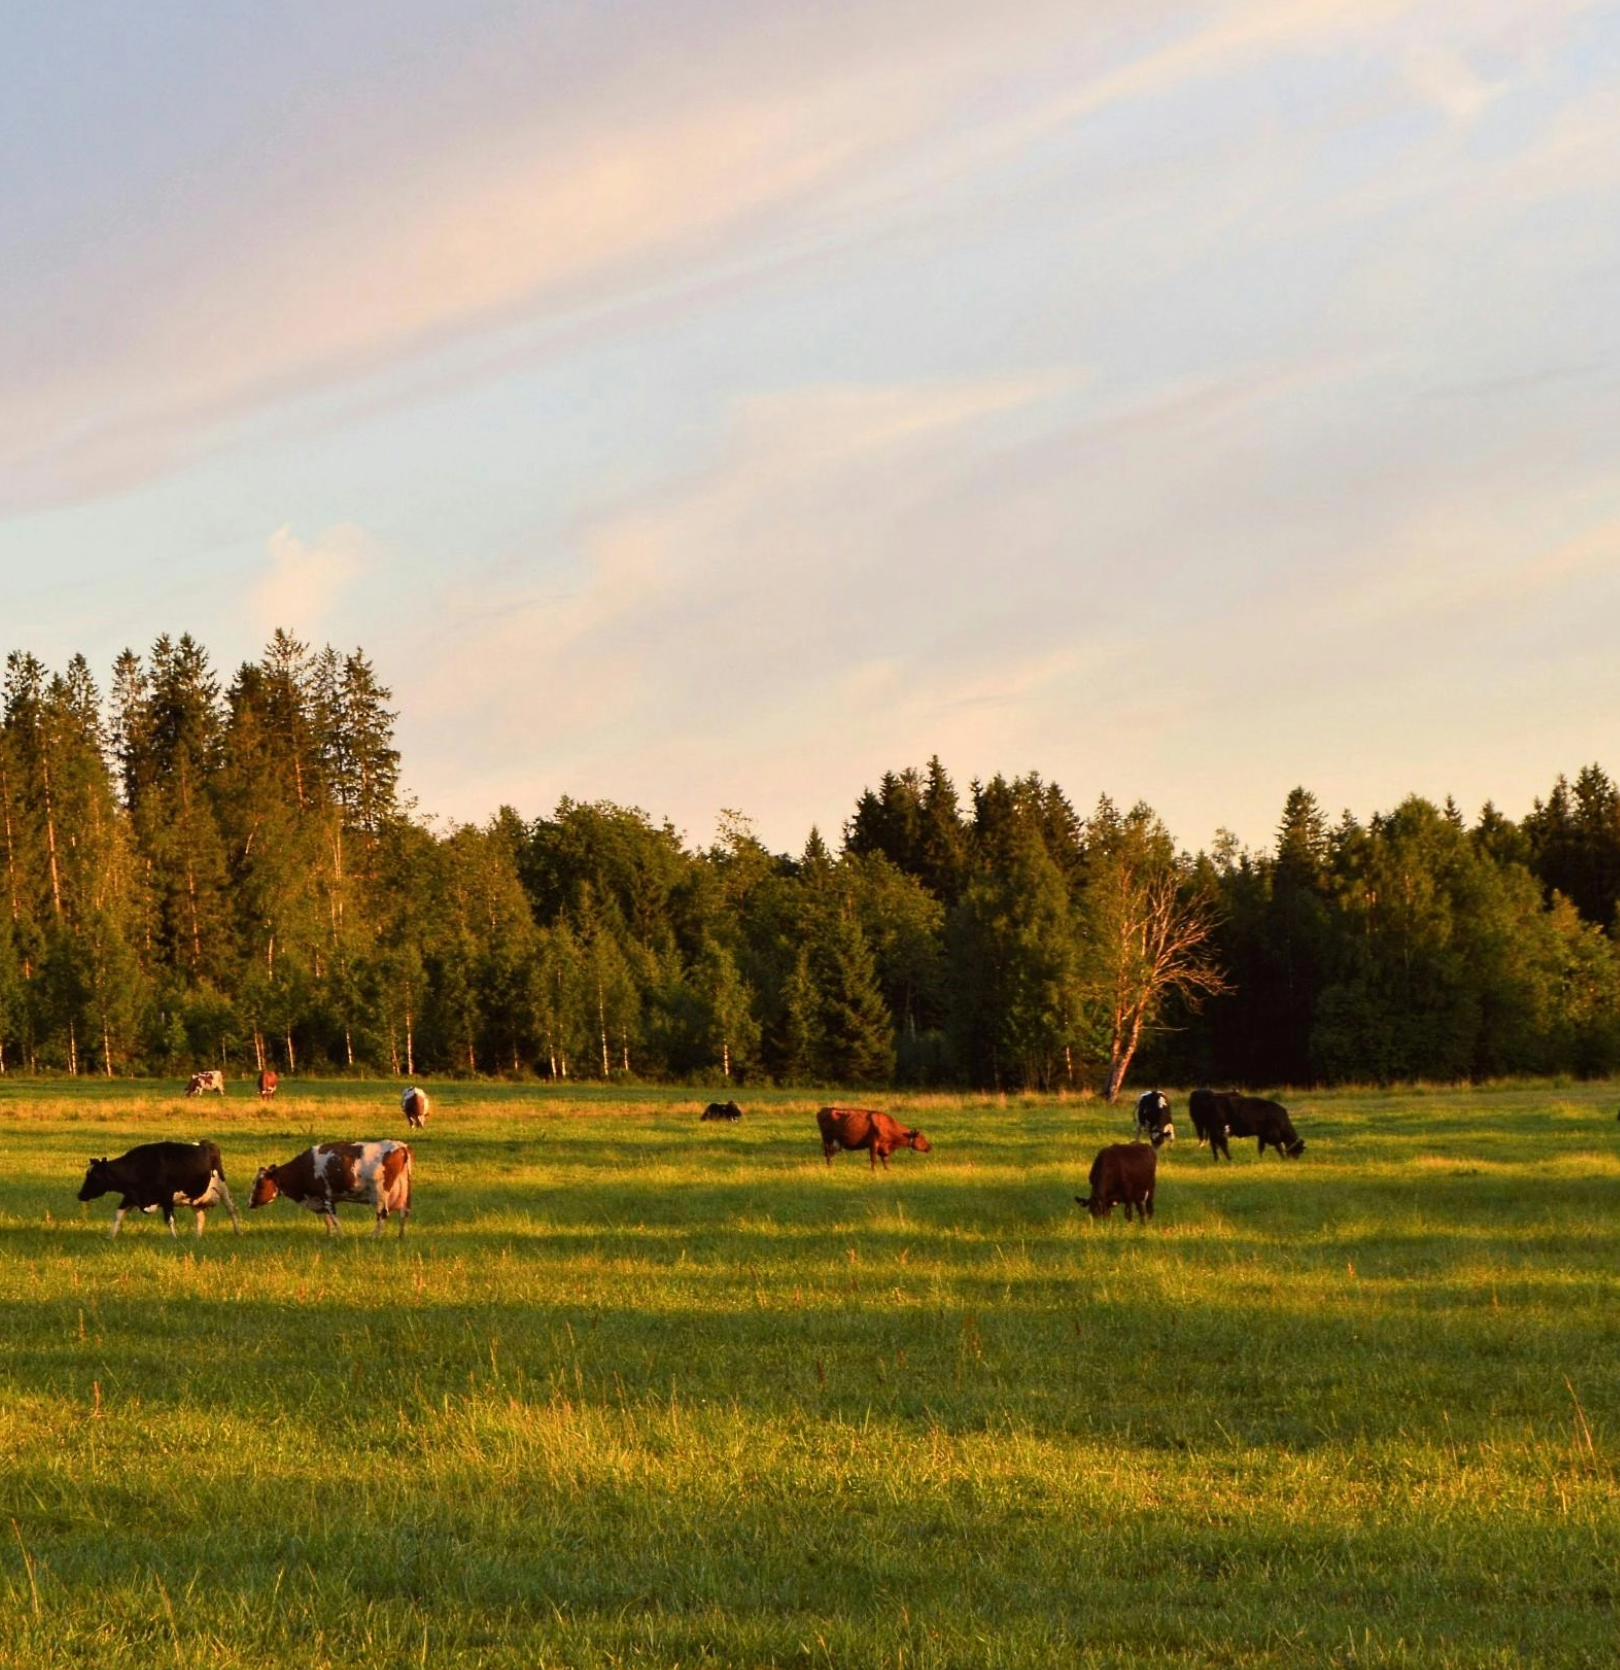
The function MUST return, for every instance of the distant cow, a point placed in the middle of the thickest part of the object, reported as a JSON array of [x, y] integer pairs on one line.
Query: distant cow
[[1123, 1174], [862, 1128], [1218, 1114], [159, 1176], [722, 1110], [1153, 1119], [415, 1105], [376, 1173], [267, 1084], [209, 1079]]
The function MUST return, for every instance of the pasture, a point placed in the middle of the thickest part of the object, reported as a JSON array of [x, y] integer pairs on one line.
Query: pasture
[[639, 1391]]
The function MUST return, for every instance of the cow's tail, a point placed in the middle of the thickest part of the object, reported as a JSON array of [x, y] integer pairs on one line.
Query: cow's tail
[[211, 1153], [410, 1188]]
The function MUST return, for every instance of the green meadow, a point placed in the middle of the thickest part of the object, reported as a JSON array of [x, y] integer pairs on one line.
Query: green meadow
[[639, 1391]]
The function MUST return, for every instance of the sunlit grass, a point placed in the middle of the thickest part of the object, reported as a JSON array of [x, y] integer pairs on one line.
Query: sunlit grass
[[635, 1390]]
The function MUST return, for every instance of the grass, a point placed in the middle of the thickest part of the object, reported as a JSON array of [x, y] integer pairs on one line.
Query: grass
[[636, 1391]]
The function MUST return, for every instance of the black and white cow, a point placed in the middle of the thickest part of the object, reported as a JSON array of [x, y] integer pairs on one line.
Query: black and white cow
[[1153, 1123], [159, 1176]]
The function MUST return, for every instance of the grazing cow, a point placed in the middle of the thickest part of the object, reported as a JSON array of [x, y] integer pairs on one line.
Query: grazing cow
[[414, 1104], [721, 1110], [267, 1084], [209, 1079], [159, 1176], [1218, 1114], [1153, 1119], [1122, 1175], [862, 1128], [377, 1173]]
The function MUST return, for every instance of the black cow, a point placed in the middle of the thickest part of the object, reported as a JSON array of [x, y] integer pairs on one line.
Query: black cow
[[158, 1176], [1153, 1119], [1123, 1174], [721, 1110], [1218, 1114]]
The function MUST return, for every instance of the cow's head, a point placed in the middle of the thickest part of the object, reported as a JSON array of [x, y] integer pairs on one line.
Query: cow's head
[[1294, 1149], [1094, 1205], [1162, 1134], [98, 1180], [917, 1142], [265, 1188]]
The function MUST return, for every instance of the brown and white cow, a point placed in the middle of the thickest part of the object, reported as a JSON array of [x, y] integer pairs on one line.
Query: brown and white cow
[[878, 1133], [267, 1084], [414, 1104], [376, 1173], [209, 1079], [1123, 1174]]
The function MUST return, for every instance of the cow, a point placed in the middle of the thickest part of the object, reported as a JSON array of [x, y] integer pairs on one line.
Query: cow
[[159, 1176], [862, 1128], [376, 1173], [721, 1110], [414, 1104], [267, 1084], [1123, 1174], [1219, 1114], [210, 1078], [1153, 1122]]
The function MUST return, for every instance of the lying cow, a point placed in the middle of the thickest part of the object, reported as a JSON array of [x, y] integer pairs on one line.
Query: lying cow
[[414, 1105], [1153, 1122], [377, 1173], [862, 1128], [1218, 1114], [159, 1176], [210, 1079], [267, 1084], [721, 1110], [1123, 1174]]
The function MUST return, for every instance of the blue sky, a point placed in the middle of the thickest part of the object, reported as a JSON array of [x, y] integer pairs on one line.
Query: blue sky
[[709, 407]]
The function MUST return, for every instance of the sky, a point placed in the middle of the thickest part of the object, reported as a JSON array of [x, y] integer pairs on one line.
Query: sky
[[712, 406]]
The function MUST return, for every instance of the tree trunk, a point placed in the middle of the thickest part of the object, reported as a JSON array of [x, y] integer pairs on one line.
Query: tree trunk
[[73, 1051], [292, 1066], [410, 1046]]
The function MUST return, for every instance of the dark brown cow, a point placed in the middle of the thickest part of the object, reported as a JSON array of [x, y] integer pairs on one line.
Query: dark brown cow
[[720, 1110], [267, 1084], [1123, 1174], [863, 1128], [377, 1173]]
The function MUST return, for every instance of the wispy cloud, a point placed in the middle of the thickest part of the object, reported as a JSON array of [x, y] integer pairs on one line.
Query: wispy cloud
[[304, 580]]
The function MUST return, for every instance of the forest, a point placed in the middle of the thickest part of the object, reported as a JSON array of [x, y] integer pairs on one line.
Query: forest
[[208, 872]]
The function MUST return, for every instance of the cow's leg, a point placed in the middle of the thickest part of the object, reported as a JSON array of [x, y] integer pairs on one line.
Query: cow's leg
[[118, 1218], [329, 1212], [202, 1212], [167, 1207], [230, 1205], [829, 1148]]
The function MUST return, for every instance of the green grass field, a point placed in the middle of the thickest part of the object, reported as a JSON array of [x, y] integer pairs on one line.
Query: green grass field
[[636, 1391]]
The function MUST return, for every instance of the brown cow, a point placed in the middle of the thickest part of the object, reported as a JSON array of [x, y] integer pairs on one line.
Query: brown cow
[[267, 1084], [1122, 1174], [377, 1173], [862, 1128], [414, 1105]]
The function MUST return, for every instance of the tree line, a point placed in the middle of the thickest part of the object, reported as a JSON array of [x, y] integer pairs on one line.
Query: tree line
[[199, 872]]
